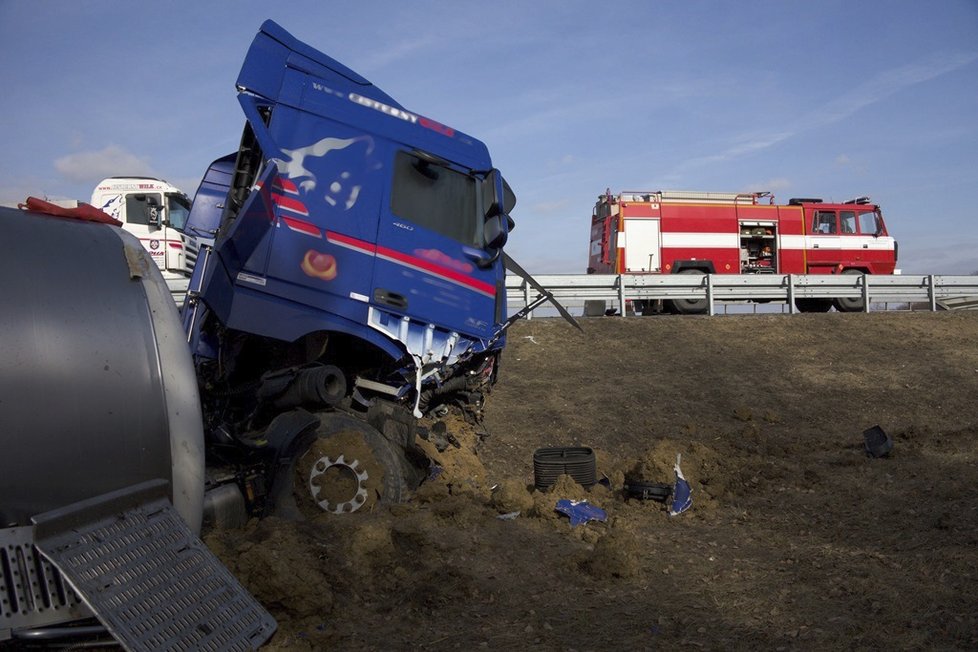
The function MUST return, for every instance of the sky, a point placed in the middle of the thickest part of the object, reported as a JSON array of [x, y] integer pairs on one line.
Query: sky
[[831, 99]]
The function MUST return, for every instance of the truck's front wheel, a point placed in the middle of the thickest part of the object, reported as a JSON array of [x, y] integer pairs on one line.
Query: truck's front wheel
[[344, 466]]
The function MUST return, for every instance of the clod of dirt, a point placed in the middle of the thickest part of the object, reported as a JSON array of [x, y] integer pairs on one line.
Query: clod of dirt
[[512, 496], [701, 465], [459, 469], [743, 413], [616, 554], [564, 488], [364, 543], [266, 557]]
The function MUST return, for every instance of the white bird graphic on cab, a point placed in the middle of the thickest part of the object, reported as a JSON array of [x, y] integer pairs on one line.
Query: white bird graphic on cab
[[294, 168]]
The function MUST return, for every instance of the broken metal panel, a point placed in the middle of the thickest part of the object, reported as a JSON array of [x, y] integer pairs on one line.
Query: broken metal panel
[[148, 578]]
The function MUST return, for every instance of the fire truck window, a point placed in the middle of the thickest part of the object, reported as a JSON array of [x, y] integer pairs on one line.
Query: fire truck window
[[824, 222], [848, 221], [867, 223]]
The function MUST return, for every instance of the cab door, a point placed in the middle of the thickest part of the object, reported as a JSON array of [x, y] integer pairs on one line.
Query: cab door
[[143, 217], [432, 264], [823, 241]]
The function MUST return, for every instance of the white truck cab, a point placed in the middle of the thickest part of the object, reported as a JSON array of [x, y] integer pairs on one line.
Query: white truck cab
[[155, 212]]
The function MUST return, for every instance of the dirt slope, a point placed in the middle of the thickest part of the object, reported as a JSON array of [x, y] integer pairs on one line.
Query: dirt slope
[[796, 539]]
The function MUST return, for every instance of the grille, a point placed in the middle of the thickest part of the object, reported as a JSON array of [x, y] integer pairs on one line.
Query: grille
[[32, 591]]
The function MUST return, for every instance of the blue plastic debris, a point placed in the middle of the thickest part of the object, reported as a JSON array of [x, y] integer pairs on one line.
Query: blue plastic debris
[[580, 511], [682, 493]]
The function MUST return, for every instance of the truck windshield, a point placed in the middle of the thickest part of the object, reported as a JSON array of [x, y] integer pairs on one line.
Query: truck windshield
[[178, 208], [436, 198]]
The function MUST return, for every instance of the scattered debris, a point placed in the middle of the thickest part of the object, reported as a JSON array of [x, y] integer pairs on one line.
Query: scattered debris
[[508, 516], [657, 491], [439, 435], [580, 511], [878, 443], [576, 461], [682, 493]]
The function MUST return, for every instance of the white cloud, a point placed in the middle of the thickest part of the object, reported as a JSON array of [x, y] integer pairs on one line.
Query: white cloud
[[551, 207], [16, 191], [771, 185], [403, 50], [880, 87], [92, 166], [842, 159]]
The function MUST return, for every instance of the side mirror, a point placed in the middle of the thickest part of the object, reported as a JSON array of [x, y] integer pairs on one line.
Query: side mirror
[[495, 232], [153, 210], [498, 197]]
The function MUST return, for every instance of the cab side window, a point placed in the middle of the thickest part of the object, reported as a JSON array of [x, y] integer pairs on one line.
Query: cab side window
[[137, 208], [847, 219], [824, 223], [436, 198]]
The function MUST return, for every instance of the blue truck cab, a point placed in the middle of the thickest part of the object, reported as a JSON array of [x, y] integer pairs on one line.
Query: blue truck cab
[[352, 276], [351, 225]]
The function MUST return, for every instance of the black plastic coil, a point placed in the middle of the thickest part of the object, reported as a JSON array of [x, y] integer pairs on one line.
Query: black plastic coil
[[577, 462]]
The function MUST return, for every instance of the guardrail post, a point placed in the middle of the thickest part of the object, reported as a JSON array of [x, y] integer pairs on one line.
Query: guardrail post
[[526, 299], [791, 294], [709, 294], [865, 292], [621, 296], [932, 292]]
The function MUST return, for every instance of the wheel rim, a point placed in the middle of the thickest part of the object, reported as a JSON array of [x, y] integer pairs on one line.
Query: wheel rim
[[337, 485]]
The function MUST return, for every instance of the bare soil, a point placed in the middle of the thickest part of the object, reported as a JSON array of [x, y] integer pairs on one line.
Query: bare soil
[[796, 538]]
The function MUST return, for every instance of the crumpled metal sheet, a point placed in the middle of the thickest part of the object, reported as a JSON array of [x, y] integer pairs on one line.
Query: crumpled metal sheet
[[580, 511], [682, 493]]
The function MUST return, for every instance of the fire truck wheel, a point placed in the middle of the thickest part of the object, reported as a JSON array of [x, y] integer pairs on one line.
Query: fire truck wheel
[[847, 304], [813, 305], [689, 306]]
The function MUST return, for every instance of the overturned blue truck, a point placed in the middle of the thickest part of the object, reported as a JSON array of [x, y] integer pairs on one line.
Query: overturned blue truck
[[350, 281]]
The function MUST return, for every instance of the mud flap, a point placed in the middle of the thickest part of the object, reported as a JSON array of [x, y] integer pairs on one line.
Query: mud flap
[[152, 583]]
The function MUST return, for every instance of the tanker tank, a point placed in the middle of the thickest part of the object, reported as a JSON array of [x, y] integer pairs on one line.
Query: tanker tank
[[97, 387]]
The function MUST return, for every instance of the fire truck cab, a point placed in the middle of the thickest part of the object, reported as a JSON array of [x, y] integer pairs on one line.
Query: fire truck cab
[[670, 232]]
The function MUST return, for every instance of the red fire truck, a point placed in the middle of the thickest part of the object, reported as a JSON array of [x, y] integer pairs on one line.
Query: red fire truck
[[679, 232]]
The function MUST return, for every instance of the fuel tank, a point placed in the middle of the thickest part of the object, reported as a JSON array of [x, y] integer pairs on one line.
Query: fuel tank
[[97, 387]]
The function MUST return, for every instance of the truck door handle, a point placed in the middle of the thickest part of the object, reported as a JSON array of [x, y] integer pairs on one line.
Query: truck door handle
[[815, 246], [391, 299]]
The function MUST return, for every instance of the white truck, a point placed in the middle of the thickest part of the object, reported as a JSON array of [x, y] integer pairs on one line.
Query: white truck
[[155, 212]]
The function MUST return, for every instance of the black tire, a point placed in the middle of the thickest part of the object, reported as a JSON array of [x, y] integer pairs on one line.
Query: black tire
[[846, 304], [689, 306], [813, 305], [352, 466]]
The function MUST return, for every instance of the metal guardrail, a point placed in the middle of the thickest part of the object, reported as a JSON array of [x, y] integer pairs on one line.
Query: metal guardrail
[[573, 290]]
